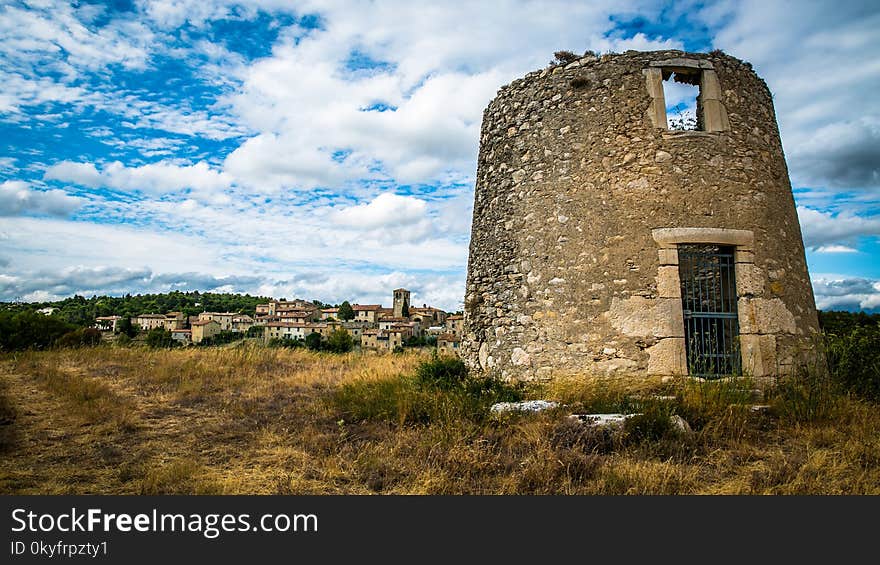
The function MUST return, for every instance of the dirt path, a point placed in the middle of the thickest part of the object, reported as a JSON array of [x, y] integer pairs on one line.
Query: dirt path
[[170, 444], [52, 450]]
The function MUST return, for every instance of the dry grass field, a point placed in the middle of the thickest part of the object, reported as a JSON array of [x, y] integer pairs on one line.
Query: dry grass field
[[256, 420]]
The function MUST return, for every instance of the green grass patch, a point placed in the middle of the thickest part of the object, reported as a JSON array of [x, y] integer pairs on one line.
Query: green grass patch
[[439, 391]]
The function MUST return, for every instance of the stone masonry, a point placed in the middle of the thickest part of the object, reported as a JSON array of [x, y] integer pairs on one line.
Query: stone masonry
[[583, 196]]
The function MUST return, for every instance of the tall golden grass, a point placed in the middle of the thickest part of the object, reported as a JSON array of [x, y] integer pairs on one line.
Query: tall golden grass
[[260, 420]]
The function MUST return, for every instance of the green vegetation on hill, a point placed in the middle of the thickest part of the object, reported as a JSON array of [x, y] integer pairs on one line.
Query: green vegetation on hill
[[852, 346], [83, 311], [840, 323], [30, 330]]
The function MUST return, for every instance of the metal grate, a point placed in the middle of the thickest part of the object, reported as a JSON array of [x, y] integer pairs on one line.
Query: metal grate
[[708, 297]]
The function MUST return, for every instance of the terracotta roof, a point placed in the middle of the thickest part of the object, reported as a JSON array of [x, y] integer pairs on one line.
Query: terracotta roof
[[455, 317], [204, 322], [153, 316], [181, 331], [393, 319], [369, 307], [447, 337]]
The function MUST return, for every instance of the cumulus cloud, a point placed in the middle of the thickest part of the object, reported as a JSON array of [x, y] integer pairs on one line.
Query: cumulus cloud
[[60, 30], [827, 229], [385, 211], [71, 280], [84, 280], [820, 61], [377, 95], [16, 197], [155, 178], [413, 113], [846, 293]]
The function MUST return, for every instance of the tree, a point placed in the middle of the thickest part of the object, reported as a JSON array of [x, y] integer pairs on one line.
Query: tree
[[405, 310], [26, 330], [160, 337], [346, 312], [126, 327], [313, 341], [340, 341]]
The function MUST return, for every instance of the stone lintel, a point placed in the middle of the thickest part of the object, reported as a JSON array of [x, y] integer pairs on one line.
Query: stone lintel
[[678, 135], [684, 63], [670, 237]]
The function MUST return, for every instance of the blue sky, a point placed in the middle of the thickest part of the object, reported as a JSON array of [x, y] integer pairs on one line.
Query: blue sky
[[328, 149]]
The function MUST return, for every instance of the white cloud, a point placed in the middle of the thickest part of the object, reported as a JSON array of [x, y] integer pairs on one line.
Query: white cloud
[[820, 61], [270, 162], [154, 178], [59, 30], [16, 197], [837, 292], [826, 228], [836, 249], [51, 244], [442, 66], [385, 211]]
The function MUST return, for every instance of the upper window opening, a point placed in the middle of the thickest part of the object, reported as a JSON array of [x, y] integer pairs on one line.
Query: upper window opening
[[681, 91]]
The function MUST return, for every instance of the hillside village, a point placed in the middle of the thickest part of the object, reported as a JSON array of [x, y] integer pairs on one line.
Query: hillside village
[[371, 326]]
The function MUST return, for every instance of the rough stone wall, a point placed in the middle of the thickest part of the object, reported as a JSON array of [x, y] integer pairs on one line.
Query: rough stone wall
[[567, 272]]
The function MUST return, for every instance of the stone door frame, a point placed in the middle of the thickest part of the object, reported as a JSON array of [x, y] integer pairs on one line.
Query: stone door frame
[[669, 287]]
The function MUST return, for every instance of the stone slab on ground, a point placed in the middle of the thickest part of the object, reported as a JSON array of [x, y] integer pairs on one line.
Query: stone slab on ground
[[523, 406]]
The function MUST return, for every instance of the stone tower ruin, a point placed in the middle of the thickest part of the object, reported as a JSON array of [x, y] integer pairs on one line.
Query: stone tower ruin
[[604, 242]]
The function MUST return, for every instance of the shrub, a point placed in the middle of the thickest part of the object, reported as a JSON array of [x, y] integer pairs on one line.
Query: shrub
[[442, 372], [439, 391], [653, 423], [313, 341], [340, 341], [84, 337], [286, 342], [160, 338], [854, 360], [807, 395], [29, 330], [563, 58]]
